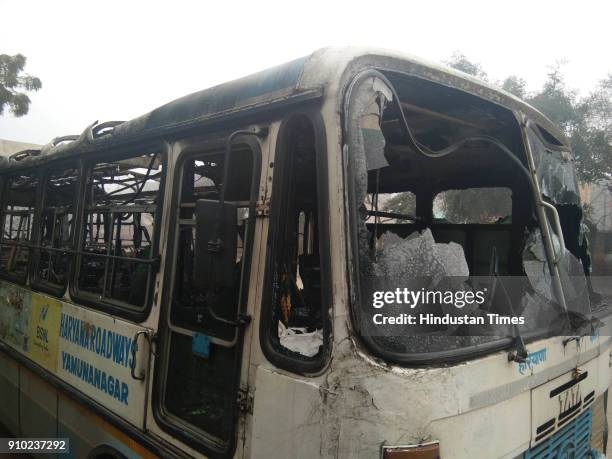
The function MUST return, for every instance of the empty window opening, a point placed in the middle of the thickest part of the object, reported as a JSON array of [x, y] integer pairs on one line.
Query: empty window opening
[[56, 230], [390, 208], [296, 291], [122, 199], [19, 200], [474, 205]]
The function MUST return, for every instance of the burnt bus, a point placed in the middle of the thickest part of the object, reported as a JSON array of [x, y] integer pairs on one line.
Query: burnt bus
[[354, 254]]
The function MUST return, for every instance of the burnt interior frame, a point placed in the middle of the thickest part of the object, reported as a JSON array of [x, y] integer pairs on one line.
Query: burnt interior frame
[[36, 282], [119, 308], [5, 180]]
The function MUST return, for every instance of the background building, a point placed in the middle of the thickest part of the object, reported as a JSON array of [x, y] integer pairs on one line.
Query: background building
[[8, 147]]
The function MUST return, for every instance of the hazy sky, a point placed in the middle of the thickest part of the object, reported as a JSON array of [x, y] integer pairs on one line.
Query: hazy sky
[[114, 60]]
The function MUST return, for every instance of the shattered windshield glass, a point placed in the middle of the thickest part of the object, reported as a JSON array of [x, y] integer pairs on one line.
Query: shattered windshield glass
[[555, 170], [447, 250]]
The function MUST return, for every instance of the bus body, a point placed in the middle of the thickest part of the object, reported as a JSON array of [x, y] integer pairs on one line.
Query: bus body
[[194, 282]]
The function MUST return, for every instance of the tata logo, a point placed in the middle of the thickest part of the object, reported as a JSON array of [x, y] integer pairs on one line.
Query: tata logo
[[569, 399], [43, 313]]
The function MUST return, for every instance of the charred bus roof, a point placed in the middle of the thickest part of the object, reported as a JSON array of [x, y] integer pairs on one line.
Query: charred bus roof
[[297, 81]]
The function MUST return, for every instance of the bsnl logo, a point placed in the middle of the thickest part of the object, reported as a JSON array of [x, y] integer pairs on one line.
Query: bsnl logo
[[42, 333], [569, 399]]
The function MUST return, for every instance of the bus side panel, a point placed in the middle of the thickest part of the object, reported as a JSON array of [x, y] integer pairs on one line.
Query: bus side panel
[[37, 406], [88, 431], [292, 428], [103, 357], [9, 391]]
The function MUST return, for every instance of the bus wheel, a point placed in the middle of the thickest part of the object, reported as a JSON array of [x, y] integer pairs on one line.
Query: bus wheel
[[105, 452]]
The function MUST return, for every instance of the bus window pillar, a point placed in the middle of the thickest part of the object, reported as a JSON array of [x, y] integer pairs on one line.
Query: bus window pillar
[[424, 205]]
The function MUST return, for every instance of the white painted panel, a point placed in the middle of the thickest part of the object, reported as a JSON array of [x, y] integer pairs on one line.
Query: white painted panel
[[500, 430], [282, 417], [95, 356]]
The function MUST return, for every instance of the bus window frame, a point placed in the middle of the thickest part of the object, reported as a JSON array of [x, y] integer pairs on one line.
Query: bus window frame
[[444, 357], [4, 181], [286, 360], [36, 282], [170, 423], [120, 309]]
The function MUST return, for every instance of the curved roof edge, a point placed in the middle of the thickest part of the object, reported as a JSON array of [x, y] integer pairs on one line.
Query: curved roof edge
[[313, 72], [326, 64]]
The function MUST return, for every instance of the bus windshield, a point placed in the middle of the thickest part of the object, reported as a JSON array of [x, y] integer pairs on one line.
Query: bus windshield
[[448, 255]]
